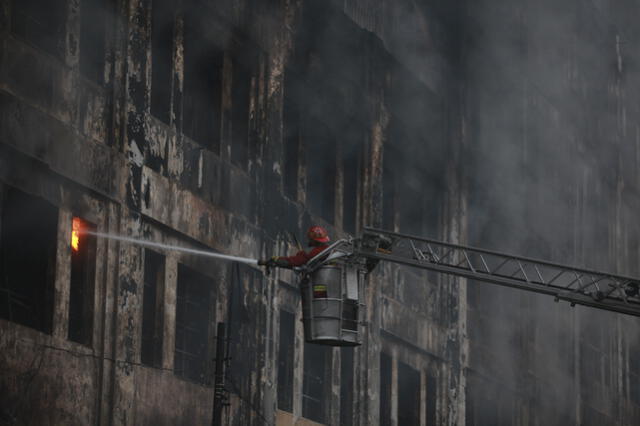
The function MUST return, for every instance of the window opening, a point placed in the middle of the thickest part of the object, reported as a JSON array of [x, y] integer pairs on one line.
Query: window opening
[[28, 240], [413, 192], [240, 111], [82, 288], [152, 309], [192, 325], [389, 190], [315, 383], [285, 361], [346, 386], [408, 395], [41, 23], [634, 388], [163, 15], [469, 407], [321, 169], [202, 95], [486, 411], [432, 398], [93, 26], [351, 166], [350, 315], [385, 389]]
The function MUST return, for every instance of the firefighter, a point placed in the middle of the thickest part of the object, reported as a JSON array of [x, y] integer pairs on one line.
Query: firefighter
[[318, 239]]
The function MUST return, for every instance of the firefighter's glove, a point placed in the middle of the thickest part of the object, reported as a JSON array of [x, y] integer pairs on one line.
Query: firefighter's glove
[[269, 263]]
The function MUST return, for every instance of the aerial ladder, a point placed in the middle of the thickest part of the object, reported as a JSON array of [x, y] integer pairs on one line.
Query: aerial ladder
[[332, 283]]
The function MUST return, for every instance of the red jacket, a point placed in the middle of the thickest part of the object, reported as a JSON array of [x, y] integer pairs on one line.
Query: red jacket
[[303, 257]]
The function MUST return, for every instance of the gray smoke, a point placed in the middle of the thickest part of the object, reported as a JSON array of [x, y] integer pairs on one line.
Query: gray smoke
[[552, 173]]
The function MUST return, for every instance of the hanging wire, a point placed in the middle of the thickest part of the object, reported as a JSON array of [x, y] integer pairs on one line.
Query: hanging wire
[[236, 277], [236, 388]]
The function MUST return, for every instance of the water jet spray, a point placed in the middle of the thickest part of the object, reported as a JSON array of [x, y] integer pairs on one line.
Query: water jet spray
[[152, 244]]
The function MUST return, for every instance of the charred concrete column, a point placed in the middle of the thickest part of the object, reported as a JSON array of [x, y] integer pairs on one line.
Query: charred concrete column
[[298, 366], [334, 406], [455, 229], [108, 292], [225, 109], [66, 87], [394, 390], [259, 147], [423, 396], [129, 279], [169, 311], [136, 100], [71, 53], [175, 150], [127, 324], [369, 355], [63, 276]]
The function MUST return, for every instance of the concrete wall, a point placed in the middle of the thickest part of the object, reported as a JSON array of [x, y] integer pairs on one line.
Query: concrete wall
[[96, 150]]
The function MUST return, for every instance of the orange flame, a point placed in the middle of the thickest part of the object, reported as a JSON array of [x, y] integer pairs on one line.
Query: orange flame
[[75, 233]]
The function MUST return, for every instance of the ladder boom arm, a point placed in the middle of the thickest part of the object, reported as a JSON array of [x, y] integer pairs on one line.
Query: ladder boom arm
[[580, 286]]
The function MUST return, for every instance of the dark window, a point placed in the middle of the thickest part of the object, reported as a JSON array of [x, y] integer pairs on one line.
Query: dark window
[[593, 417], [419, 159], [408, 395], [202, 82], [486, 411], [346, 386], [431, 210], [41, 23], [240, 110], [285, 361], [291, 138], [385, 389], [389, 196], [163, 15], [405, 163], [351, 171], [315, 383], [28, 239], [152, 309], [321, 169], [82, 289], [93, 26], [634, 388], [393, 170], [432, 399], [634, 358], [192, 325], [245, 317], [350, 315], [469, 406], [412, 193]]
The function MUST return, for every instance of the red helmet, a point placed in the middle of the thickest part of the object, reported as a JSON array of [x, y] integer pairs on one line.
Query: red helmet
[[318, 233]]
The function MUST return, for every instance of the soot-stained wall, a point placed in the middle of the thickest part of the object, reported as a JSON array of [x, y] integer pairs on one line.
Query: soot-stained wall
[[227, 126]]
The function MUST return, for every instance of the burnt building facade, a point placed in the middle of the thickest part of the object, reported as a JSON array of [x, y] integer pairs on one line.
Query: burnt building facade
[[230, 125]]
